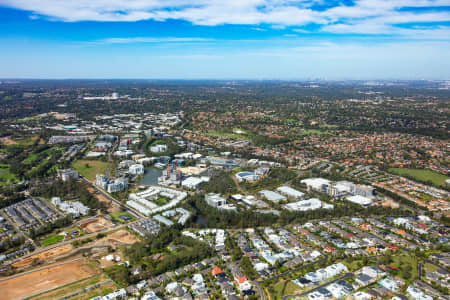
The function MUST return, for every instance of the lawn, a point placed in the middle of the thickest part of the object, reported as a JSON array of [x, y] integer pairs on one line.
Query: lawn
[[52, 240], [161, 200], [90, 168], [422, 175], [116, 216]]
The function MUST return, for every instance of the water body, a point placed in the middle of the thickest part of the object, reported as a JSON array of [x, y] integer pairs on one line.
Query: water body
[[200, 220], [151, 176]]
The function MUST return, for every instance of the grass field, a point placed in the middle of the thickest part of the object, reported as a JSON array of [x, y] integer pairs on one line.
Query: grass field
[[90, 168], [406, 260], [328, 126], [276, 291], [52, 240], [421, 175], [32, 157], [26, 141], [116, 215], [227, 134], [430, 268], [316, 132], [6, 177]]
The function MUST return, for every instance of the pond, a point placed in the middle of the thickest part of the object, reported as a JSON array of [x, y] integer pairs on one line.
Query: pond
[[200, 220], [151, 176]]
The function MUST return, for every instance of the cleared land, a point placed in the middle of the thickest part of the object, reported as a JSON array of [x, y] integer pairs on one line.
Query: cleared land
[[76, 287], [90, 168], [96, 224], [121, 236], [421, 175], [47, 255], [47, 279], [7, 141]]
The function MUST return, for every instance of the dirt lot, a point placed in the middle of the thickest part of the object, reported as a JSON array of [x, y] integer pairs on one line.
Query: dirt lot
[[47, 255], [7, 141], [104, 263], [77, 287], [96, 224], [121, 236], [44, 280], [390, 203]]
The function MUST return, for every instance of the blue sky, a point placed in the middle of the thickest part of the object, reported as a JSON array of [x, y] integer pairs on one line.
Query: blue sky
[[216, 39]]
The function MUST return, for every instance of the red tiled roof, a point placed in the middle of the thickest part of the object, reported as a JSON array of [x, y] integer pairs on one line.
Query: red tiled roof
[[217, 271], [242, 279]]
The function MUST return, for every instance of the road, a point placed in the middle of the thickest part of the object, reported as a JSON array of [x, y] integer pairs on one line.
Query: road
[[347, 275], [17, 229], [419, 269], [262, 295], [40, 269], [38, 250], [89, 235], [85, 290], [134, 212], [324, 258]]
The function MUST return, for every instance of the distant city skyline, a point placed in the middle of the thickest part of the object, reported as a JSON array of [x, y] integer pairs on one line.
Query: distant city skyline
[[236, 39]]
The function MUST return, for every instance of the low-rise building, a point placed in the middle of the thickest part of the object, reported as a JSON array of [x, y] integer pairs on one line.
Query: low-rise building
[[159, 148], [111, 186], [217, 201], [136, 169], [67, 174], [272, 196], [361, 200], [290, 192]]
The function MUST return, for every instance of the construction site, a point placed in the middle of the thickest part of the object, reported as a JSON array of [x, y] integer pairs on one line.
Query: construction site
[[69, 270]]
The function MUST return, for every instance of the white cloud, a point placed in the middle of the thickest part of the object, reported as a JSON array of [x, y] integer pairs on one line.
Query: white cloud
[[366, 16], [151, 40]]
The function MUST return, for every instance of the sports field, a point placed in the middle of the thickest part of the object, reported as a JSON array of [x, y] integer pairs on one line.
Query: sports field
[[422, 175]]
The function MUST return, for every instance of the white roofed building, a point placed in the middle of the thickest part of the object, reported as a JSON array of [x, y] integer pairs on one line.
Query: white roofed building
[[361, 200], [290, 192]]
